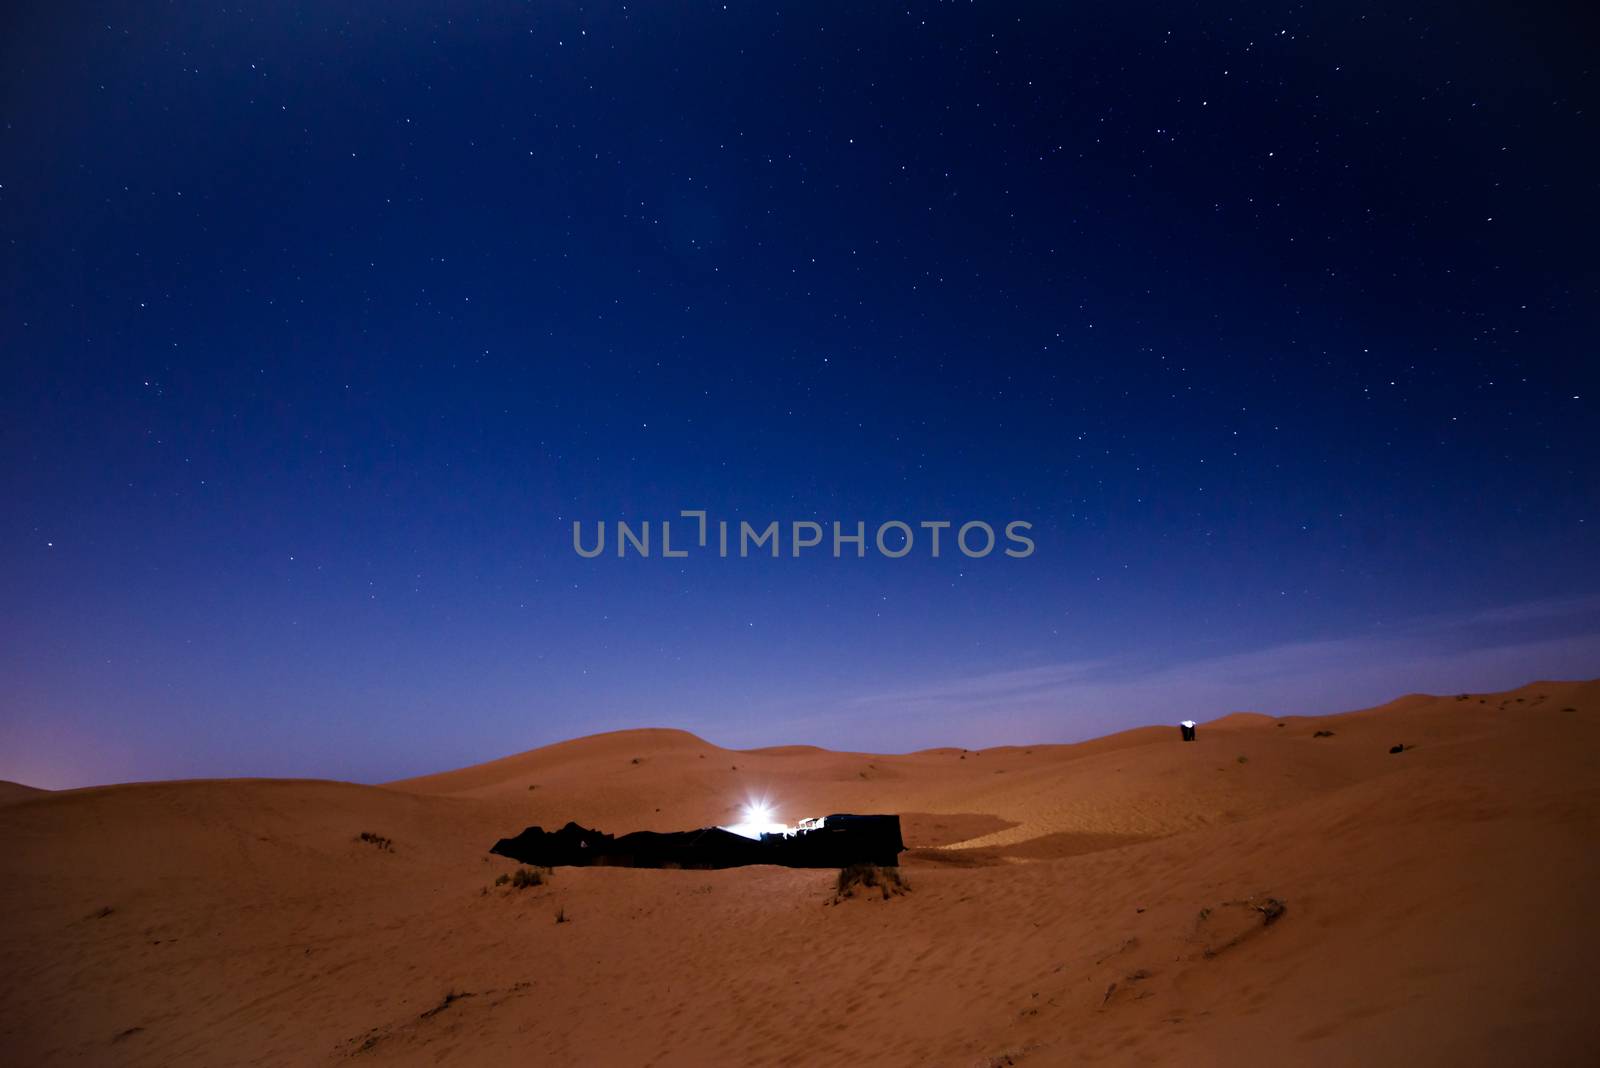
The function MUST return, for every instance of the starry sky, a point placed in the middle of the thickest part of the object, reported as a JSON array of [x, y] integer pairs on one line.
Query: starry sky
[[322, 322]]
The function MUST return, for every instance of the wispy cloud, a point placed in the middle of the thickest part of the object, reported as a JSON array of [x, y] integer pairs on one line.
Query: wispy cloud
[[1482, 650]]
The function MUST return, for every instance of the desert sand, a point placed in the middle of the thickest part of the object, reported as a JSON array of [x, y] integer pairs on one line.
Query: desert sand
[[1105, 902]]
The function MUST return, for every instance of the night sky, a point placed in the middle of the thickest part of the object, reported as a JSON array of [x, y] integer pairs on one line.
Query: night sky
[[322, 322]]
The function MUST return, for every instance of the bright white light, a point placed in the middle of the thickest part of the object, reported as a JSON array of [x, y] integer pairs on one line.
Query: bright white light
[[757, 819]]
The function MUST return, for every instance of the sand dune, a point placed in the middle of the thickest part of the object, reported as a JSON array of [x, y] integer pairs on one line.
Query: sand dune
[[16, 791], [1096, 903]]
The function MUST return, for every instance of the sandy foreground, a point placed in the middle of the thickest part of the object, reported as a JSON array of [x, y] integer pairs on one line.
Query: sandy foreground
[[1101, 902]]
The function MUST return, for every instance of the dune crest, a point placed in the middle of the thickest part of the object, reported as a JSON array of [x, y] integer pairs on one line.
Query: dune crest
[[16, 791], [1267, 894]]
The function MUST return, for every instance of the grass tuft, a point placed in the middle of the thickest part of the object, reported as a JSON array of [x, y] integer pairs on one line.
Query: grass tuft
[[867, 877]]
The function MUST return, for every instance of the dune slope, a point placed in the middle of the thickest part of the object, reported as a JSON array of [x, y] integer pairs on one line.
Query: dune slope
[[16, 791], [1264, 895]]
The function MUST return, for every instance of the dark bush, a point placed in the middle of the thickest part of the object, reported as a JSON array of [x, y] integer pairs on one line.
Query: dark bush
[[886, 880]]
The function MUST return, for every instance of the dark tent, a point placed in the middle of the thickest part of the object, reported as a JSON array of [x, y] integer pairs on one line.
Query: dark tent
[[838, 841]]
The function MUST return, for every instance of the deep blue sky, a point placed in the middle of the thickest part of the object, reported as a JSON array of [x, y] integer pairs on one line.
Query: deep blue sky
[[322, 322]]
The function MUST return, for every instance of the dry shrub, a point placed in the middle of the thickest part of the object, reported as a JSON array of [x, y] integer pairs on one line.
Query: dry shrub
[[867, 877]]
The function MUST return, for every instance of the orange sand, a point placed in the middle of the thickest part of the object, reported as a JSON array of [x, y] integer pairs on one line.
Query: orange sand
[[1070, 904]]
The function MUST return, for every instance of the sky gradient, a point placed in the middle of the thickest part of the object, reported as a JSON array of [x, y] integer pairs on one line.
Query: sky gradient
[[321, 325]]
